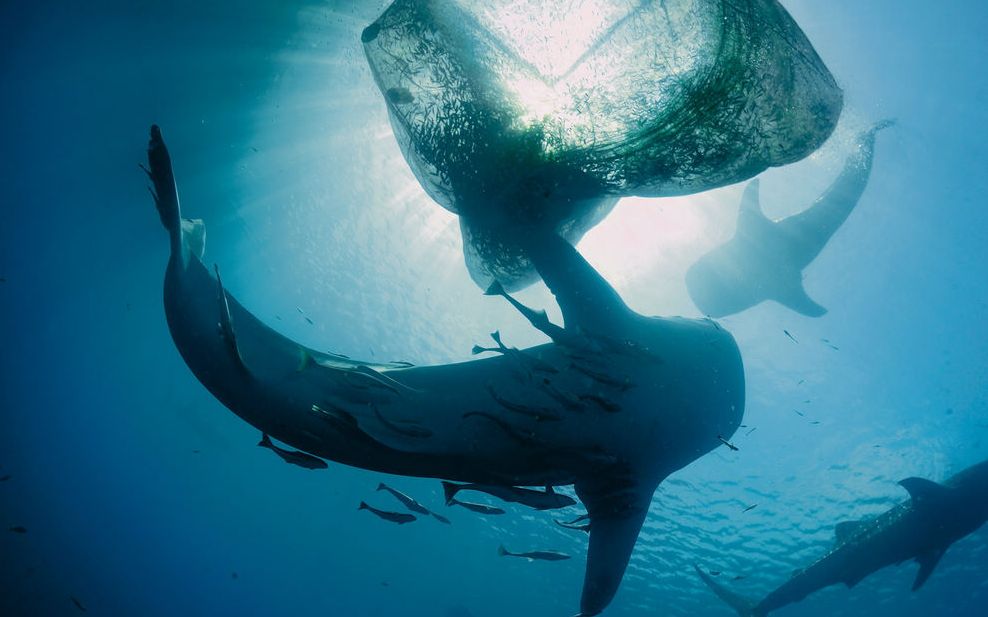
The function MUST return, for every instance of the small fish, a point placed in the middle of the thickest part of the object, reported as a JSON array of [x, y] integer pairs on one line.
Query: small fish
[[714, 573], [410, 503], [540, 555], [538, 500], [78, 603], [18, 529], [399, 518], [6, 477], [196, 451], [791, 337], [749, 508], [479, 508], [302, 313], [730, 445], [584, 528], [539, 414], [603, 403], [294, 457], [234, 575], [799, 413], [753, 429], [815, 422], [603, 378], [800, 382], [739, 577]]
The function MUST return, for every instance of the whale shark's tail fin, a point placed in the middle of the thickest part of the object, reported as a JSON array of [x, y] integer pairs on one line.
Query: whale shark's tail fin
[[160, 173], [755, 229], [743, 606]]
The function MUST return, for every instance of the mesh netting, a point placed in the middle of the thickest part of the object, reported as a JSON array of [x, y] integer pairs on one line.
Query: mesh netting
[[514, 113]]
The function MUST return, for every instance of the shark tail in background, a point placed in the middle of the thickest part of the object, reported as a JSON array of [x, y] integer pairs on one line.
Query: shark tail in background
[[744, 606], [503, 552]]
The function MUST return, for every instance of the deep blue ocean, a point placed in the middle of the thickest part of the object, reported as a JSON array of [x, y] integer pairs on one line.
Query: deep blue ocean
[[142, 495]]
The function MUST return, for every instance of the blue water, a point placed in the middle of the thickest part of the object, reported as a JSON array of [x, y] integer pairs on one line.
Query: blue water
[[143, 496]]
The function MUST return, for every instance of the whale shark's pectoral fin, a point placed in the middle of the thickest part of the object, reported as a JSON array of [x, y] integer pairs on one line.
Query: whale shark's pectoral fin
[[927, 563], [617, 509], [588, 302], [790, 293]]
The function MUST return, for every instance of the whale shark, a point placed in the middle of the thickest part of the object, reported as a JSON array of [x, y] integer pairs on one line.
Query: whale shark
[[765, 259], [922, 528], [676, 383]]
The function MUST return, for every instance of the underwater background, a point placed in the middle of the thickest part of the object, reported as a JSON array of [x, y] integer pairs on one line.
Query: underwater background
[[142, 495]]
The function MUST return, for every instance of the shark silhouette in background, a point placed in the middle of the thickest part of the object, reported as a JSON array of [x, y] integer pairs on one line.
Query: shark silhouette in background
[[765, 259], [923, 528], [629, 400]]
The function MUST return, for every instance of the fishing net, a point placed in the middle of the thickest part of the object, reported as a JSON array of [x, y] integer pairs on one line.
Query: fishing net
[[517, 113]]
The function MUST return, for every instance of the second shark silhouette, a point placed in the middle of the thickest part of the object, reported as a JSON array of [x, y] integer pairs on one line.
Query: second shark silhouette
[[923, 528], [765, 259]]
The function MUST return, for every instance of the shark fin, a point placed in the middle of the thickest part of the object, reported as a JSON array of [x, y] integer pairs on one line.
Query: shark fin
[[792, 295], [750, 215], [617, 508], [927, 563], [743, 606], [846, 529], [226, 322], [924, 491], [194, 236]]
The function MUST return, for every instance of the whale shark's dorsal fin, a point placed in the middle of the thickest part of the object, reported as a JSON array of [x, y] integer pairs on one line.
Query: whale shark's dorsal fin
[[617, 509], [751, 219], [927, 563], [924, 492], [846, 530], [587, 301]]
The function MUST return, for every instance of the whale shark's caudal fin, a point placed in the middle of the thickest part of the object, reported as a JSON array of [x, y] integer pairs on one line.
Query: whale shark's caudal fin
[[617, 509], [743, 606], [755, 229]]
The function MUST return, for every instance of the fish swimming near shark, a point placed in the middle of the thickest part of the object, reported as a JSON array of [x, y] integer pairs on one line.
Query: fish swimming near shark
[[294, 457], [411, 504], [452, 428], [922, 528], [534, 555], [479, 508], [765, 259], [399, 518], [538, 500]]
